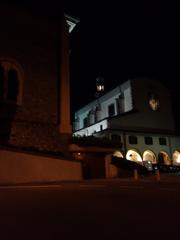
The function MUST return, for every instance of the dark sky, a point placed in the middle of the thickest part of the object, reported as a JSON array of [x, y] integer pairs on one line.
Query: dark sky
[[123, 41], [120, 40]]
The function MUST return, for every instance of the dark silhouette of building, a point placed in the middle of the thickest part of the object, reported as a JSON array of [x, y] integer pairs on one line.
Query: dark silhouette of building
[[34, 78], [35, 93]]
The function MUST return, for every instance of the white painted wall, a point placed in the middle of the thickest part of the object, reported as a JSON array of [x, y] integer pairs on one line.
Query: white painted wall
[[92, 129], [104, 102]]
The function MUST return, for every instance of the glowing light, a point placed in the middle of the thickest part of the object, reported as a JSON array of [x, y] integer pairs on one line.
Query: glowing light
[[165, 157], [133, 156], [176, 157], [154, 104], [118, 154], [148, 155], [100, 88]]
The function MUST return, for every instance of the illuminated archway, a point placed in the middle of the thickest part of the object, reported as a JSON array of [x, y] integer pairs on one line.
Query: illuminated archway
[[149, 155], [163, 158], [118, 154], [133, 155], [176, 158]]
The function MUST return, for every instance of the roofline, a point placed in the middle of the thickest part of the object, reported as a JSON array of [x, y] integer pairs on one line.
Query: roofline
[[71, 21]]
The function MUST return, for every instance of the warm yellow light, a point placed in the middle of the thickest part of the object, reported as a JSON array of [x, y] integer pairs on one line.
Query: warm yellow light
[[100, 88], [154, 104], [118, 154], [133, 156], [176, 157]]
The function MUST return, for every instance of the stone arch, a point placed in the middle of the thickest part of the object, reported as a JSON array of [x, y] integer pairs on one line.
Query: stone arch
[[149, 155], [9, 65], [118, 154], [176, 157], [163, 158], [134, 155]]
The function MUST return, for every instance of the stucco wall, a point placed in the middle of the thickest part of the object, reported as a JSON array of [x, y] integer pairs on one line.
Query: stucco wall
[[145, 116], [16, 167], [141, 146]]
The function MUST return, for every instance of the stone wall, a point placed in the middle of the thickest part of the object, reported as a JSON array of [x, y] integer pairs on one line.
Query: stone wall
[[19, 167], [32, 42]]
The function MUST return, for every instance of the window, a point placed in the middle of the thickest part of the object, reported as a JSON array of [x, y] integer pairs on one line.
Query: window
[[132, 139], [148, 140], [11, 80], [153, 102], [111, 110], [115, 137], [101, 127], [85, 122], [162, 141]]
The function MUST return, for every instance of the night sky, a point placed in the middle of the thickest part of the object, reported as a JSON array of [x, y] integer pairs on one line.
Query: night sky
[[120, 41]]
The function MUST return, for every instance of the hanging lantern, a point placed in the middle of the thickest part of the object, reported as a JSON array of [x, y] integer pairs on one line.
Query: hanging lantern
[[100, 84]]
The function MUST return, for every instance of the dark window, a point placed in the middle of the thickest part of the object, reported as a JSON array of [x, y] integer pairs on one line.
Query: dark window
[[85, 122], [132, 139], [101, 127], [148, 140], [12, 86], [115, 137], [111, 110], [162, 141], [1, 82]]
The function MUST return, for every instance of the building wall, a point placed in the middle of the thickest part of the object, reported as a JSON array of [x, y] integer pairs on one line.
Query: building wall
[[19, 167], [141, 146], [33, 42], [174, 143], [146, 117], [111, 97], [137, 112]]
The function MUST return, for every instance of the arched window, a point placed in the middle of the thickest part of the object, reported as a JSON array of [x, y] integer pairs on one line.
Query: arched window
[[11, 81]]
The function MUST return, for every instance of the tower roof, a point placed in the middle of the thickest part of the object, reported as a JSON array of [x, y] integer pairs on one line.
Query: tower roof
[[71, 21]]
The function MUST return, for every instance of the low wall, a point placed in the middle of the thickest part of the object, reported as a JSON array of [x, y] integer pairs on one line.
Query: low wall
[[18, 167]]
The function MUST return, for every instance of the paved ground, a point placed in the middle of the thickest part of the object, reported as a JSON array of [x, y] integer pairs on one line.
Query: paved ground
[[95, 209]]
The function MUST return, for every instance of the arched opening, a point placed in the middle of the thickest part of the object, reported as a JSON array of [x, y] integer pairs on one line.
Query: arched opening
[[133, 155], [13, 86], [163, 158], [148, 155], [118, 154], [176, 158]]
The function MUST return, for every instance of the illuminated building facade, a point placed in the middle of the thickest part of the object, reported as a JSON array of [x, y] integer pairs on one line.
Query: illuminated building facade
[[139, 114]]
